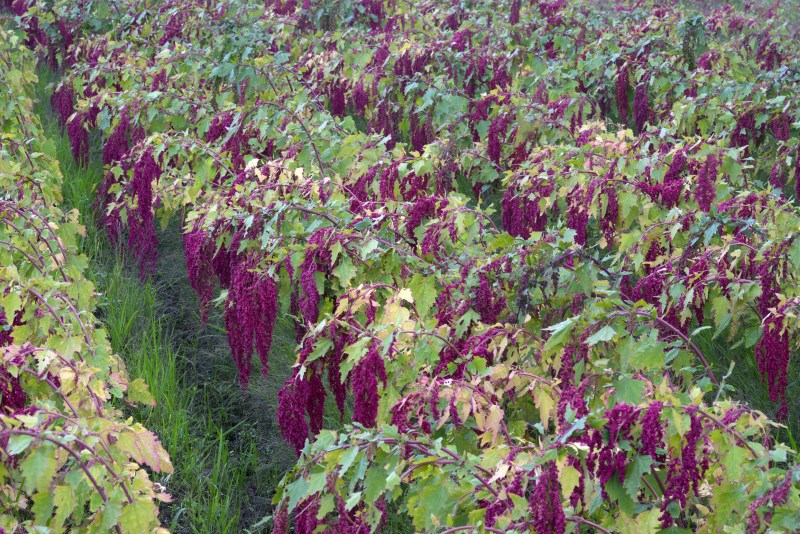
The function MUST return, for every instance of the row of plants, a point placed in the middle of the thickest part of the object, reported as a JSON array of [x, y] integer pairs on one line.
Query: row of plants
[[72, 461], [219, 482], [501, 230]]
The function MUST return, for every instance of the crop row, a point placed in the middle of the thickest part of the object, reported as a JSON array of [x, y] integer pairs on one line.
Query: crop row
[[500, 229]]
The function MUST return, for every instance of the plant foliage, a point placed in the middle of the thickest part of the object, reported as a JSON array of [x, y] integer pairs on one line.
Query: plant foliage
[[71, 459], [500, 228]]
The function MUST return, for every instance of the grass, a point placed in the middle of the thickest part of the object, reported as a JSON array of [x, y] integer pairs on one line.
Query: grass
[[747, 385], [226, 449]]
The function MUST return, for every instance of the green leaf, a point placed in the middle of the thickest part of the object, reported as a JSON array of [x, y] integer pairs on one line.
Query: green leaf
[[569, 478], [471, 316], [353, 500], [42, 507], [345, 271], [367, 249], [39, 468], [637, 468], [321, 348], [11, 303], [347, 460], [628, 390], [606, 333], [18, 443], [316, 482], [618, 494], [144, 447], [559, 334], [429, 507], [392, 481], [64, 499], [645, 354], [297, 490], [423, 289], [733, 460], [374, 483], [326, 506]]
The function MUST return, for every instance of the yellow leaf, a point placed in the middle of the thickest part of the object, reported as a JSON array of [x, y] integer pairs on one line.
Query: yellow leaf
[[545, 403], [570, 478], [143, 446], [405, 294], [501, 472]]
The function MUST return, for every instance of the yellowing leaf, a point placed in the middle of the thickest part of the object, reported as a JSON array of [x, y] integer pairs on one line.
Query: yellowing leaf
[[545, 403], [139, 516], [139, 393], [143, 446], [570, 478], [405, 294]]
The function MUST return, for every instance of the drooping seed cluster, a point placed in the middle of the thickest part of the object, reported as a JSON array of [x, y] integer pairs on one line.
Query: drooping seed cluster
[[250, 316], [142, 238]]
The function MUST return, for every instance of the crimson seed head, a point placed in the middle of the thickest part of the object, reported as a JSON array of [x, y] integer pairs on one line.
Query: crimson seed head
[[496, 137], [705, 60], [12, 396], [306, 521], [611, 460], [387, 180], [743, 130], [365, 386], [797, 173], [776, 177], [292, 399], [224, 260], [173, 28], [219, 126], [315, 402], [78, 139], [621, 93], [419, 132], [333, 362], [513, 16], [547, 513], [142, 238], [159, 80], [63, 102], [309, 300], [336, 96], [781, 127], [776, 496], [500, 79], [521, 214], [669, 192], [578, 213], [772, 356], [116, 146], [280, 522], [250, 316], [423, 207], [641, 110], [199, 250], [6, 329], [705, 191], [360, 98], [487, 304], [609, 221], [684, 473], [652, 430]]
